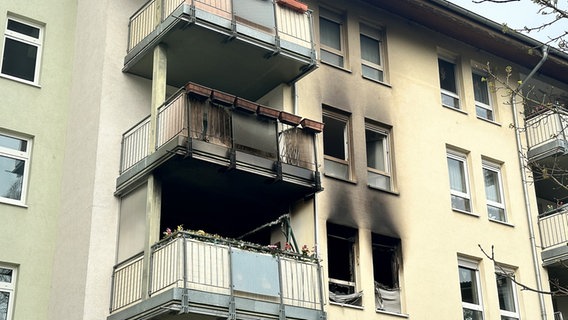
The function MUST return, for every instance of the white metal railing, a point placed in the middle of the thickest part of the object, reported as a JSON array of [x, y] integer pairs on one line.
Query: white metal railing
[[135, 144], [171, 119], [290, 25], [553, 229], [545, 127], [204, 264], [127, 282]]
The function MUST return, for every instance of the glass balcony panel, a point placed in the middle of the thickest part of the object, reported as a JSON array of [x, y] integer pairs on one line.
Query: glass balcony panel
[[253, 136]]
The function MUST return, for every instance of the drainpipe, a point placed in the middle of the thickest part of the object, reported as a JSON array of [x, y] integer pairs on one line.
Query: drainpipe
[[525, 188]]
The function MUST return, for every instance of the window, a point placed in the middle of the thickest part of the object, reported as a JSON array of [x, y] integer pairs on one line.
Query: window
[[332, 38], [448, 83], [371, 53], [378, 157], [7, 288], [507, 294], [494, 191], [22, 50], [14, 158], [459, 185], [341, 264], [385, 272], [483, 107], [336, 145], [470, 290]]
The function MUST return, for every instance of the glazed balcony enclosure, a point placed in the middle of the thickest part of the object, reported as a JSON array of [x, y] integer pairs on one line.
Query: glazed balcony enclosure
[[193, 275], [224, 43]]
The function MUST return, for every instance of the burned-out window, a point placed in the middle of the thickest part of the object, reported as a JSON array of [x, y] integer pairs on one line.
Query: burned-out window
[[341, 253], [386, 261]]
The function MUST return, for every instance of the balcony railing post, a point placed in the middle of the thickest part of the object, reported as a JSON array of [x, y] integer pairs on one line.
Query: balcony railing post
[[232, 307], [185, 297], [282, 310]]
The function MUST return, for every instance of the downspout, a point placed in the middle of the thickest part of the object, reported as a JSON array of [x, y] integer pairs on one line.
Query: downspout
[[524, 178]]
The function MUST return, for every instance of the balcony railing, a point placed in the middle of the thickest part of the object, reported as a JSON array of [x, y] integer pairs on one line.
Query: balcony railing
[[220, 266], [265, 17], [554, 228], [214, 118], [546, 133]]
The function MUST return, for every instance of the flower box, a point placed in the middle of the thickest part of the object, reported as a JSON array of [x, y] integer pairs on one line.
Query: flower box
[[294, 5], [312, 125], [289, 118], [268, 112], [245, 105], [198, 90], [223, 98]]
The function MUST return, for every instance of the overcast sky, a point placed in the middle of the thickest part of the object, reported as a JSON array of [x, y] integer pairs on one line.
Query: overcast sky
[[517, 15]]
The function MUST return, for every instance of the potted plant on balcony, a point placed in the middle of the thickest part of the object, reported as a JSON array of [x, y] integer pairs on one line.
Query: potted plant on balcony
[[268, 112], [294, 5]]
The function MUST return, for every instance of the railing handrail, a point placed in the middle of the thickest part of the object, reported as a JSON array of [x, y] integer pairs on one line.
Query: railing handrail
[[232, 243]]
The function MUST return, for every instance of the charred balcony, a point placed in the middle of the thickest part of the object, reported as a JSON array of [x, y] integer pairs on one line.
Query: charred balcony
[[244, 47], [223, 149]]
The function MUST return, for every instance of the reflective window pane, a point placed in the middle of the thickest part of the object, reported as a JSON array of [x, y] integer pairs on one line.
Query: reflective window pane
[[19, 59], [4, 302], [6, 275], [468, 285], [506, 294], [11, 177], [13, 143]]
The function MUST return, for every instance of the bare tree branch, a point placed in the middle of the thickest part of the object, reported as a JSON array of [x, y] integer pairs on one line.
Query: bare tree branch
[[559, 289]]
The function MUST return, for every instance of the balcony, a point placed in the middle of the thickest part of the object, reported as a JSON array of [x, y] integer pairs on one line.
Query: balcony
[[244, 47], [553, 227], [216, 146], [546, 134], [216, 278]]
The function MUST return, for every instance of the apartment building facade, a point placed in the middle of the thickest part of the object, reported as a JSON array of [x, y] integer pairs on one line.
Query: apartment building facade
[[322, 159]]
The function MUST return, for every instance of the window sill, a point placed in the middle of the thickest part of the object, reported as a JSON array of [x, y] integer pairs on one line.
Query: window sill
[[346, 305], [489, 121], [502, 222], [454, 109], [395, 193], [29, 83], [401, 315], [13, 203], [327, 175], [466, 212], [386, 84], [335, 66]]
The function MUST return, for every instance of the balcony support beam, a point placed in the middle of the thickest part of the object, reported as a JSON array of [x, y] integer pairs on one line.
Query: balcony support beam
[[153, 213], [159, 78]]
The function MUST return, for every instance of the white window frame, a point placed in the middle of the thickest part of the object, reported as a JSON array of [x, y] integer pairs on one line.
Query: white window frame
[[338, 19], [386, 153], [479, 104], [377, 35], [18, 155], [473, 266], [461, 157], [496, 168], [36, 42], [455, 95], [346, 119], [10, 288], [507, 272]]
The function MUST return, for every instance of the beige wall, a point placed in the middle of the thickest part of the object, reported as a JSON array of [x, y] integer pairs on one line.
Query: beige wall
[[27, 233], [104, 104], [419, 210]]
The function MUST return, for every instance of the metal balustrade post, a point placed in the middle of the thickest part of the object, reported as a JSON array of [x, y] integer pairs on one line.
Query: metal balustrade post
[[185, 296], [282, 310]]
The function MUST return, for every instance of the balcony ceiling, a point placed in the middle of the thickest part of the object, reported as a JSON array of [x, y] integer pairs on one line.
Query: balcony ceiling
[[477, 31]]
